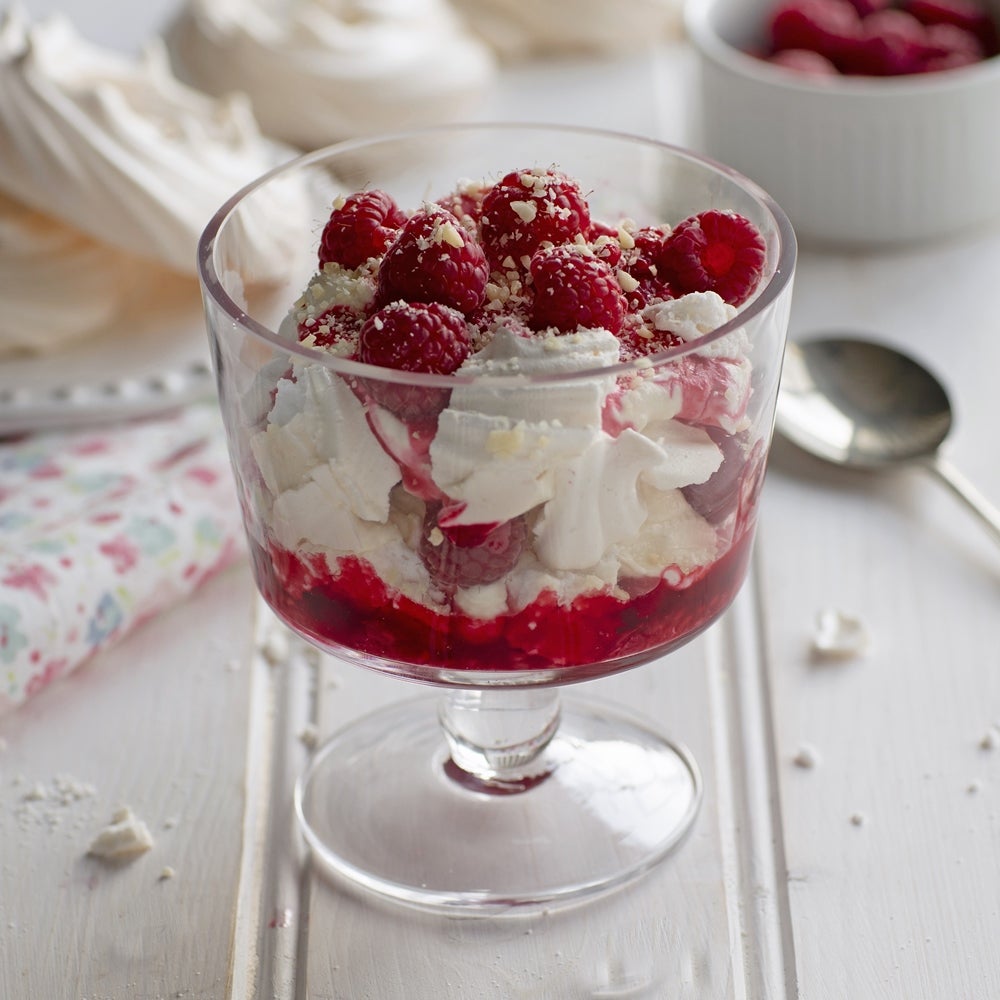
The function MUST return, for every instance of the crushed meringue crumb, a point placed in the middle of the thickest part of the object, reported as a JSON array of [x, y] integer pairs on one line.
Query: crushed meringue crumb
[[805, 757], [445, 232], [858, 819], [506, 442], [166, 873], [124, 838], [839, 635], [527, 210], [626, 282]]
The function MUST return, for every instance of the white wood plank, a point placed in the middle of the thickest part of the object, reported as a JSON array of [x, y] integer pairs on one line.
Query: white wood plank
[[904, 904], [157, 723]]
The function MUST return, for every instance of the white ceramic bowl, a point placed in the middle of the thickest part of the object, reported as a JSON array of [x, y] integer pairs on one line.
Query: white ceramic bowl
[[854, 161]]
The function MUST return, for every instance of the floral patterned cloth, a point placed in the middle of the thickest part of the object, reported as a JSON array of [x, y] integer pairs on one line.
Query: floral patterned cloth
[[102, 528]]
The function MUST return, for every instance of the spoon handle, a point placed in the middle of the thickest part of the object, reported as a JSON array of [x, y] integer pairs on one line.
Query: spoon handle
[[965, 491]]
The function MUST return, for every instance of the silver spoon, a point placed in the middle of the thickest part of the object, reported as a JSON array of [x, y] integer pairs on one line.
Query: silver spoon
[[865, 405]]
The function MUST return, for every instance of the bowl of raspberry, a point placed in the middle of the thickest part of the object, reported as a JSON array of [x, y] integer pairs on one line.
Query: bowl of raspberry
[[873, 122], [503, 428]]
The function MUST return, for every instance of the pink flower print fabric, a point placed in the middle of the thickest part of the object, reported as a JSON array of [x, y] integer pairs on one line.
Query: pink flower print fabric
[[101, 529]]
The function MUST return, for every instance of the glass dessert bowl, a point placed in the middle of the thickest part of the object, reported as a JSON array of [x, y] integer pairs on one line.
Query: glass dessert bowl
[[499, 435]]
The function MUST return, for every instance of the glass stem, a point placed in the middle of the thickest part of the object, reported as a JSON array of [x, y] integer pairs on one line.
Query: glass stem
[[497, 736]]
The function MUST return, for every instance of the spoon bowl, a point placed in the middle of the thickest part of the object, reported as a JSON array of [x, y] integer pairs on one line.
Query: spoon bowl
[[862, 404]]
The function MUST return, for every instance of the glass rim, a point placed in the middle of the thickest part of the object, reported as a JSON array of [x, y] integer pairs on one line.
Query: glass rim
[[212, 287]]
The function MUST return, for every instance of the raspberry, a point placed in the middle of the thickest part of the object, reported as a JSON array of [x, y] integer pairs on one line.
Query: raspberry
[[639, 264], [640, 259], [892, 43], [452, 564], [866, 7], [714, 251], [829, 27], [359, 228], [433, 259], [528, 208], [966, 14], [717, 497], [951, 47], [466, 204], [572, 289], [413, 337]]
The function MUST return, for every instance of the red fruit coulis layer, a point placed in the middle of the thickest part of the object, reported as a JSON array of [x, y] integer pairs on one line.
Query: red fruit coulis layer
[[594, 635]]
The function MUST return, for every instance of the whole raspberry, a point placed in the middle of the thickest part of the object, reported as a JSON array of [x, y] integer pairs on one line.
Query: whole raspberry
[[714, 251], [970, 15], [829, 27], [528, 208], [434, 259], [574, 289], [359, 227], [452, 564], [951, 47], [717, 497], [892, 43], [413, 337]]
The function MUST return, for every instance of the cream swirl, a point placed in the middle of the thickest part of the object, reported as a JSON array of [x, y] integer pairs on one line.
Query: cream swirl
[[317, 71]]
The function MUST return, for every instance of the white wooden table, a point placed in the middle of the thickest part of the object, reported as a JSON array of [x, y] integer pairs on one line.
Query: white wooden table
[[849, 843]]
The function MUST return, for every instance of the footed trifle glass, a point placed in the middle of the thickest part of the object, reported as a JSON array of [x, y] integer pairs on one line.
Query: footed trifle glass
[[498, 400]]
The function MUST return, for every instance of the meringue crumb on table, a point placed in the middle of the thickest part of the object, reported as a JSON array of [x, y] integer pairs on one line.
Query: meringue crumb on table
[[124, 838], [839, 635]]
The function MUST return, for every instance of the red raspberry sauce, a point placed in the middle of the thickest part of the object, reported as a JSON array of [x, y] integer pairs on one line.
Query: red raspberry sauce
[[595, 635]]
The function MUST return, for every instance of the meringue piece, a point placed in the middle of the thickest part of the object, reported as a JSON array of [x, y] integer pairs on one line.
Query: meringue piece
[[317, 71], [598, 501], [319, 431], [839, 635], [509, 354], [691, 316], [672, 536], [498, 467], [547, 353], [320, 514], [124, 838], [520, 28], [123, 152], [58, 285]]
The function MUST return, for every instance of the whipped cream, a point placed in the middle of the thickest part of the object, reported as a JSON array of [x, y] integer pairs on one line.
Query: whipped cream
[[520, 28], [110, 170], [317, 71]]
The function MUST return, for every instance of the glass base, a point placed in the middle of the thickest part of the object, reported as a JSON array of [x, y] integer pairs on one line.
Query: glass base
[[384, 804]]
